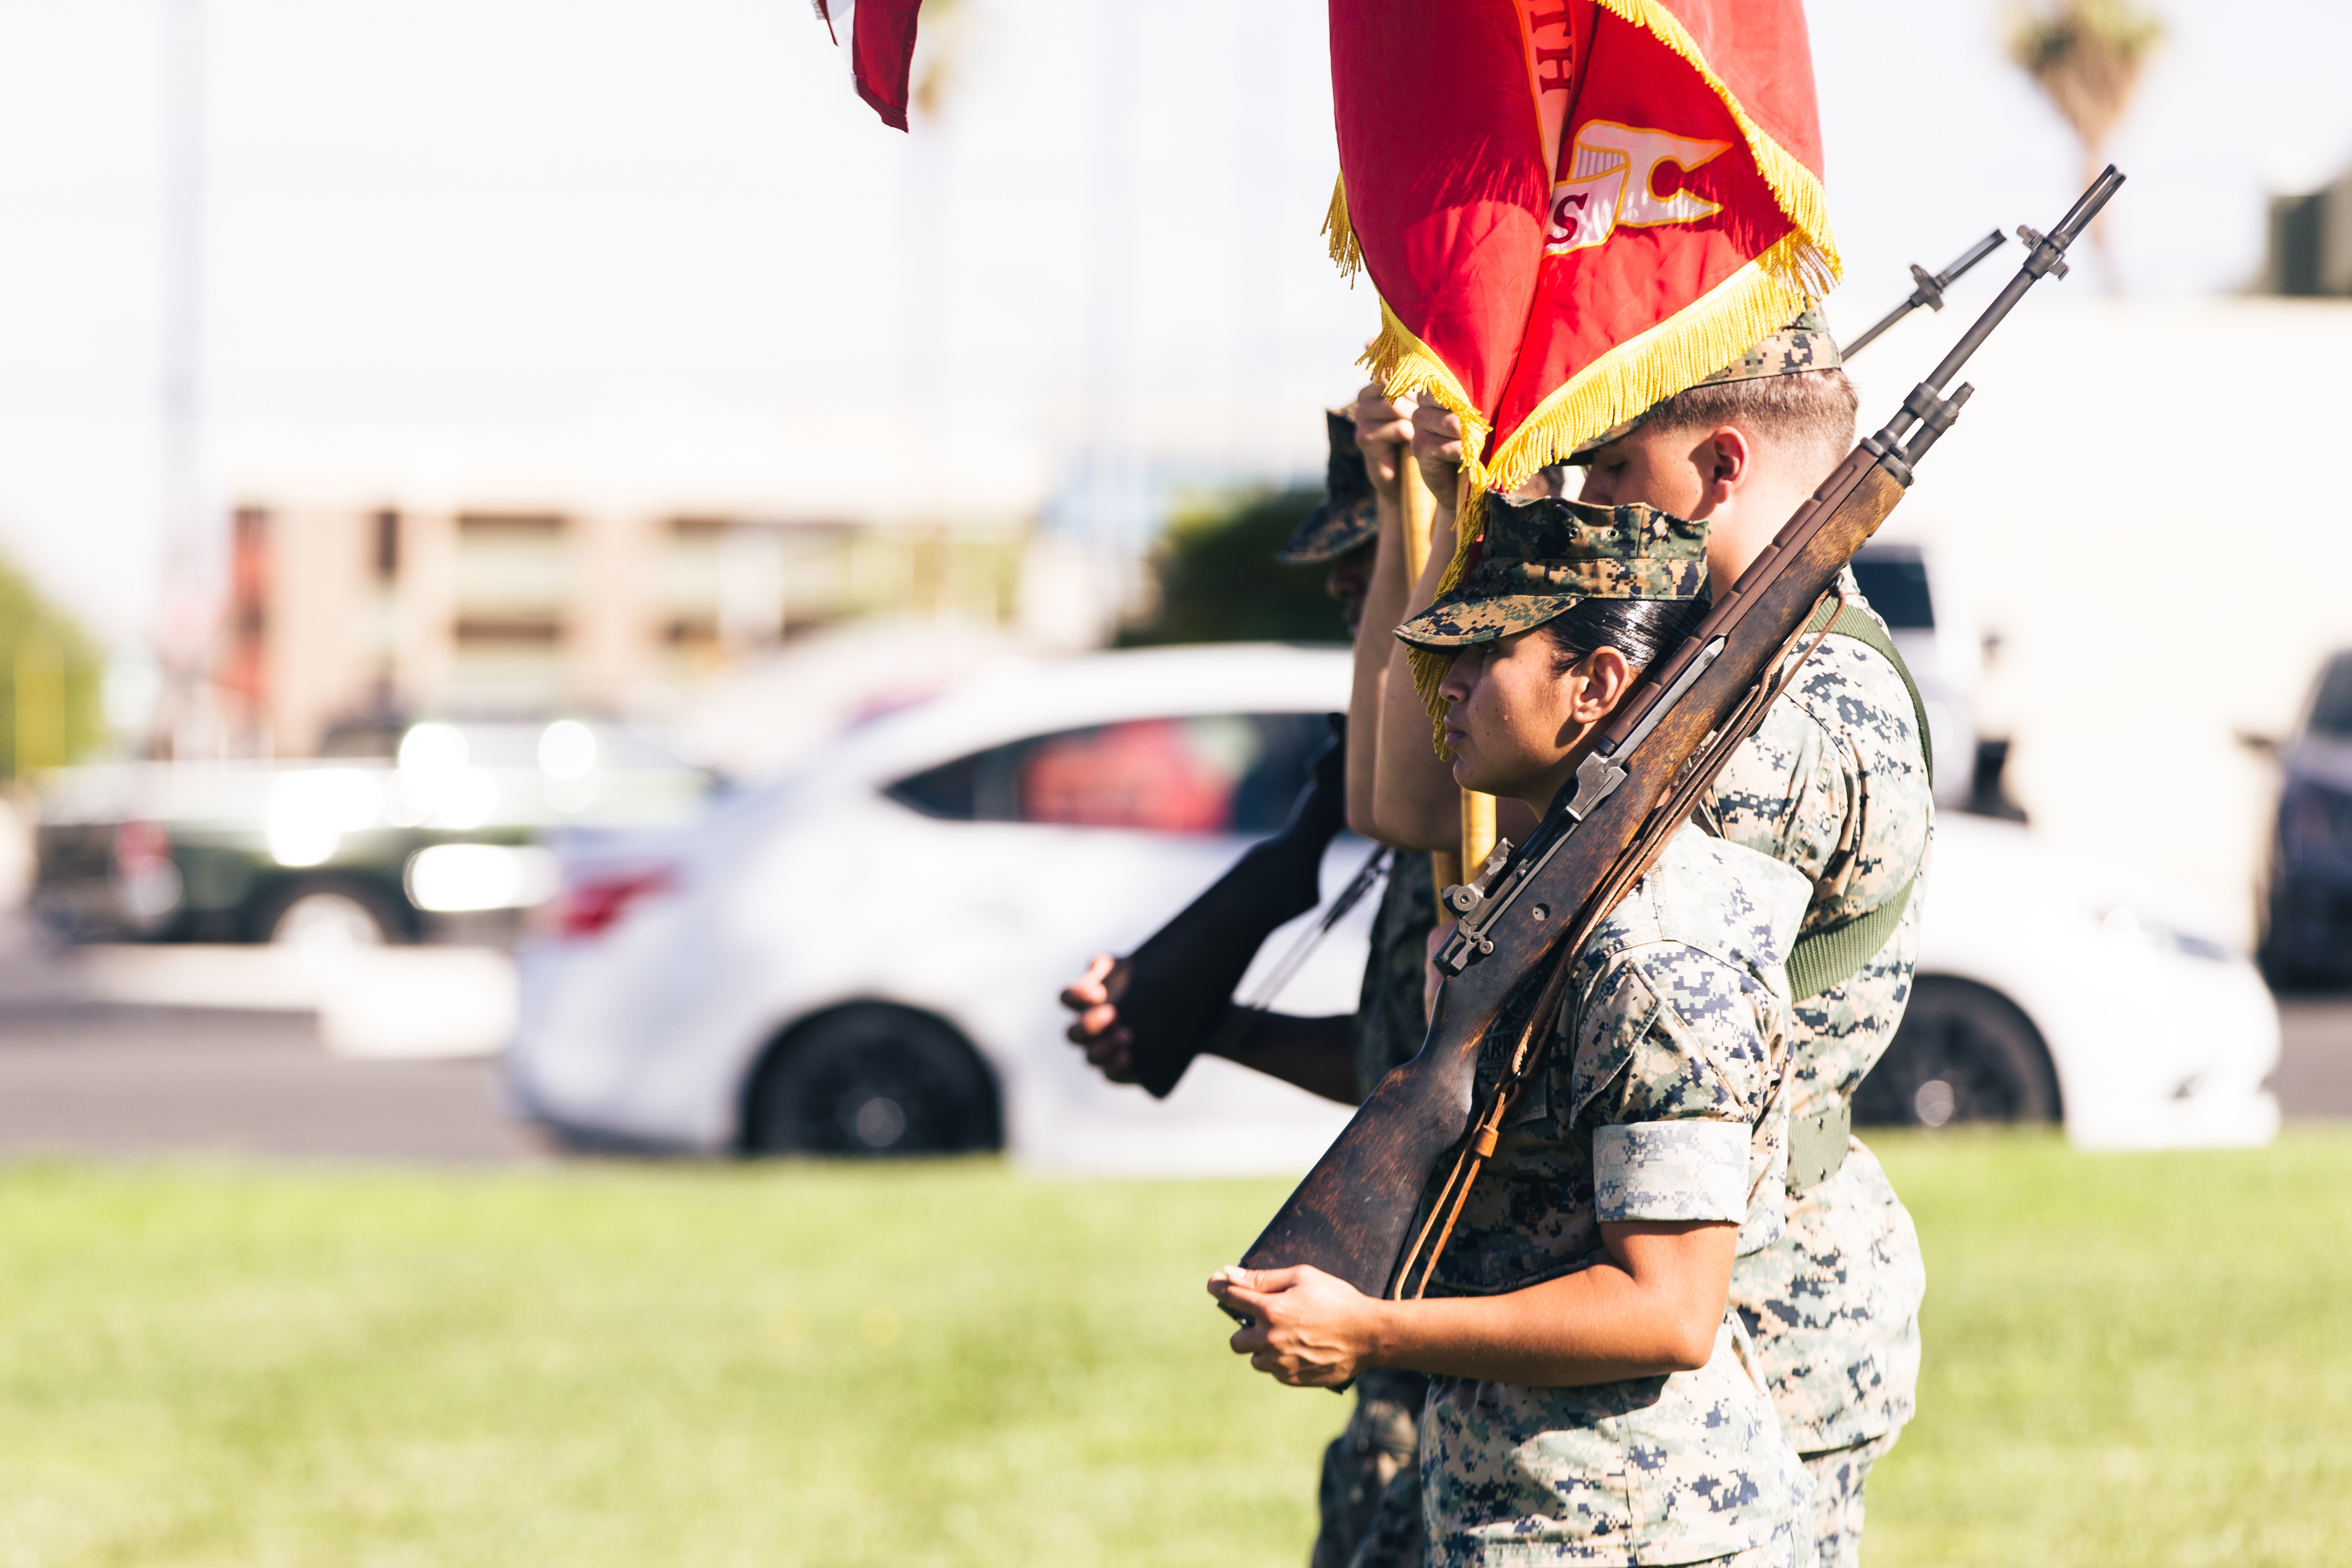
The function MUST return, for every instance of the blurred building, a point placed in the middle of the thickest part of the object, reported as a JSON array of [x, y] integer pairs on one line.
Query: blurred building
[[347, 619], [2311, 242], [2151, 598]]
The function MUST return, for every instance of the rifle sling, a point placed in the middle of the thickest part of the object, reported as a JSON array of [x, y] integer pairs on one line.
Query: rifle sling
[[1830, 957], [1535, 1039]]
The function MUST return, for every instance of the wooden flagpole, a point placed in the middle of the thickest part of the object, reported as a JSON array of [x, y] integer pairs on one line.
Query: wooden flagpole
[[1420, 507], [1477, 810]]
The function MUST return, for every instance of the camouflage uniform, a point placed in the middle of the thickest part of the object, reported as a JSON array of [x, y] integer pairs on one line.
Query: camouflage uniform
[[1371, 1494], [1834, 785], [1663, 1098]]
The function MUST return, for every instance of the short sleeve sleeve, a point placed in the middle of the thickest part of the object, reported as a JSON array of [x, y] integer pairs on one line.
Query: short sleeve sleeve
[[1675, 1071]]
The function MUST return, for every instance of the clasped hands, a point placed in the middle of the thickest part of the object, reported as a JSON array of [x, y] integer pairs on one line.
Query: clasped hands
[[1308, 1328]]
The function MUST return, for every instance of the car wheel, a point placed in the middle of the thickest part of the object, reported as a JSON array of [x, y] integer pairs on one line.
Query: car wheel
[[324, 919], [872, 1080], [1963, 1053]]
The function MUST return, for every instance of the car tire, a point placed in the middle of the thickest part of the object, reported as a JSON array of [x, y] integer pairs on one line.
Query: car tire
[[329, 914], [1963, 1053], [871, 1081]]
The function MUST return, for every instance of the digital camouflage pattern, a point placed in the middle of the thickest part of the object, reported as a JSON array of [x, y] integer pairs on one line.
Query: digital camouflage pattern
[[1348, 518], [1542, 558], [1669, 1058], [1362, 1523], [1390, 1022], [1803, 345], [1371, 1494], [1785, 1547], [1833, 784], [1838, 1477]]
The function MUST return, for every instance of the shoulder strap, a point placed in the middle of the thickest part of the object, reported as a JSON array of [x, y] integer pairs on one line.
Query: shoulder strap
[[1831, 956], [1835, 955], [1853, 621]]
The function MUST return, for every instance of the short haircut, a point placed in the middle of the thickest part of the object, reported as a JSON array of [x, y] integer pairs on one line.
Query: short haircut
[[1809, 414]]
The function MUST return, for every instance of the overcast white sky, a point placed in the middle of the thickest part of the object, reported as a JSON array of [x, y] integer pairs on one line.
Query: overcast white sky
[[654, 252]]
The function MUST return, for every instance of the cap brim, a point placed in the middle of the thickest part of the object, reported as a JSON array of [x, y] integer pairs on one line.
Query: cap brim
[[1329, 533], [1457, 621]]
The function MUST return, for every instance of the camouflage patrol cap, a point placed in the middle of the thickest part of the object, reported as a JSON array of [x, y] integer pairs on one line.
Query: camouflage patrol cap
[[1347, 519], [1541, 560], [1803, 345]]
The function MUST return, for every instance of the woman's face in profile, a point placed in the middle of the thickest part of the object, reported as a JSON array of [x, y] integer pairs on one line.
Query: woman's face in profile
[[1516, 722]]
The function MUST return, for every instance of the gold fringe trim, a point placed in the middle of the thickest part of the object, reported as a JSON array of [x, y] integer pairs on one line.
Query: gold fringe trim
[[1401, 362], [1686, 349], [1346, 254], [1429, 666], [1678, 353], [1794, 186]]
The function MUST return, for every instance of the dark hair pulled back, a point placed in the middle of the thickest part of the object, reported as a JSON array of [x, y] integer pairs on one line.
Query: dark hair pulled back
[[1641, 629]]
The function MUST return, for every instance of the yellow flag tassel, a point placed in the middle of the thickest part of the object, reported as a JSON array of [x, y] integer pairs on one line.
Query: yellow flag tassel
[[1346, 254], [1686, 349]]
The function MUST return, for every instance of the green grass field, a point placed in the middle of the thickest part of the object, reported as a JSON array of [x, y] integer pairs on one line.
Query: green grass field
[[2129, 1359]]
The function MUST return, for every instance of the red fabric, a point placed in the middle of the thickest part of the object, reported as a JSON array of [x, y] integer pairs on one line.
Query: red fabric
[[1589, 300], [1468, 222], [1448, 207], [881, 48], [1766, 57]]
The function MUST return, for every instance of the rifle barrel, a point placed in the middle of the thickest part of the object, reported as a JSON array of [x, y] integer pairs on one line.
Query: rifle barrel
[[1921, 296], [1352, 1216], [2046, 254], [1970, 257]]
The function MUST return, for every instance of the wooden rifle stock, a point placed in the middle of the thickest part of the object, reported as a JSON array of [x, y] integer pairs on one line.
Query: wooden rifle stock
[[1351, 1216], [1173, 992]]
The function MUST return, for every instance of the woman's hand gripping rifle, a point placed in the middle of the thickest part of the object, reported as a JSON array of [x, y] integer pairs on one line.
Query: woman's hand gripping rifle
[[1524, 921]]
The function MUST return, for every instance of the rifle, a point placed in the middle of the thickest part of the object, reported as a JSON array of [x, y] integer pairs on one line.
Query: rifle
[[1527, 914], [1175, 992], [1929, 289]]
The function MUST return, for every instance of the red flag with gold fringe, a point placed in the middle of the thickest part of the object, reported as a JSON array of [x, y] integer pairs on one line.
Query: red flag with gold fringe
[[879, 36], [1573, 208]]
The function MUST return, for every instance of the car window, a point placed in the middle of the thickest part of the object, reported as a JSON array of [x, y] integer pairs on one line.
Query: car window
[[1896, 588], [1230, 773], [2331, 711]]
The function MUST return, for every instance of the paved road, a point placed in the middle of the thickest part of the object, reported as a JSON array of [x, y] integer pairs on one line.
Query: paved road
[[84, 1075], [2314, 1072]]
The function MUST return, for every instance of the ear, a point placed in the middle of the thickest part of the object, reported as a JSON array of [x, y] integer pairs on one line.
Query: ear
[[1606, 677], [1724, 460]]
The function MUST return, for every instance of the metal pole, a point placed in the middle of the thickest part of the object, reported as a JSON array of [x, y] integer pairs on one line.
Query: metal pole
[[184, 616]]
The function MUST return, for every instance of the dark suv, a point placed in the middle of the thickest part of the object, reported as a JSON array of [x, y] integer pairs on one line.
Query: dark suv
[[2307, 917]]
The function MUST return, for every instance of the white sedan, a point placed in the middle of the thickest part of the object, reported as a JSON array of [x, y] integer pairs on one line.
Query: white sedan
[[864, 957], [2050, 984]]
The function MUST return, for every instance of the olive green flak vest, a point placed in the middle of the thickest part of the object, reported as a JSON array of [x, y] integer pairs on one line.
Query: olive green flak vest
[[1833, 955]]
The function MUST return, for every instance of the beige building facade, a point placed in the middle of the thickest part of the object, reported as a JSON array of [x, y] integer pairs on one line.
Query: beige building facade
[[355, 619]]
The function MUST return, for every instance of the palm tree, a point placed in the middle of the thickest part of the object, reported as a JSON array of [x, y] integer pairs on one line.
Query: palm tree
[[2087, 56]]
